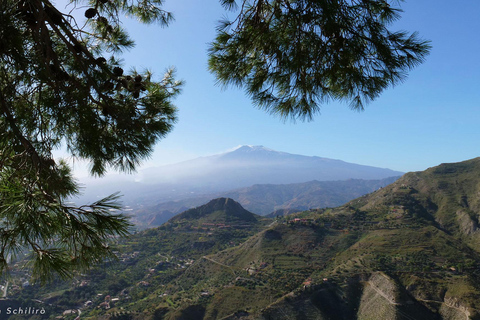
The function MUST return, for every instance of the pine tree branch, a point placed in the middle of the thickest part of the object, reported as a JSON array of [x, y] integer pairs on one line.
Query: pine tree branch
[[13, 125]]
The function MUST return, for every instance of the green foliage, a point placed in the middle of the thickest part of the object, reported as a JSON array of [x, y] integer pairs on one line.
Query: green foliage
[[62, 84], [291, 56]]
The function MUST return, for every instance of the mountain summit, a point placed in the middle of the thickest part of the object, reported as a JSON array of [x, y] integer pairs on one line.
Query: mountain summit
[[221, 210], [255, 153], [250, 148]]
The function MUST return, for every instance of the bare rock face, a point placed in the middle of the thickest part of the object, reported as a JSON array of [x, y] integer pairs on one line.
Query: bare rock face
[[453, 309], [467, 225], [380, 298]]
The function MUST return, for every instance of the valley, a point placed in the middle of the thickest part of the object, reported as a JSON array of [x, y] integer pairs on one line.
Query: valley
[[406, 251]]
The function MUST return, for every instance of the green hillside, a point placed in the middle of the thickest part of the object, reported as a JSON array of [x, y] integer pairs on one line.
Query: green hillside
[[447, 195], [407, 251]]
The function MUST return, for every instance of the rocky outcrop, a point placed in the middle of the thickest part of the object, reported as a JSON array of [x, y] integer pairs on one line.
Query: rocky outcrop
[[453, 309], [379, 298], [466, 224]]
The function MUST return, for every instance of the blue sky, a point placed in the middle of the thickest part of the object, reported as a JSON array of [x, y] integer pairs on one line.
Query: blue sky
[[431, 118]]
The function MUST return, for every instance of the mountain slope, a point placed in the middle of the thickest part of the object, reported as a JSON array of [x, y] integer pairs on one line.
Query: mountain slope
[[447, 195]]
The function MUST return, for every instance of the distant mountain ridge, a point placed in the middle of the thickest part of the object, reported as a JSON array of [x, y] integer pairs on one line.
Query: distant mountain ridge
[[242, 167], [264, 199]]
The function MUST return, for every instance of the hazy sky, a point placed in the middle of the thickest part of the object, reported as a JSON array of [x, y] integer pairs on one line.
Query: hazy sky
[[431, 118]]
